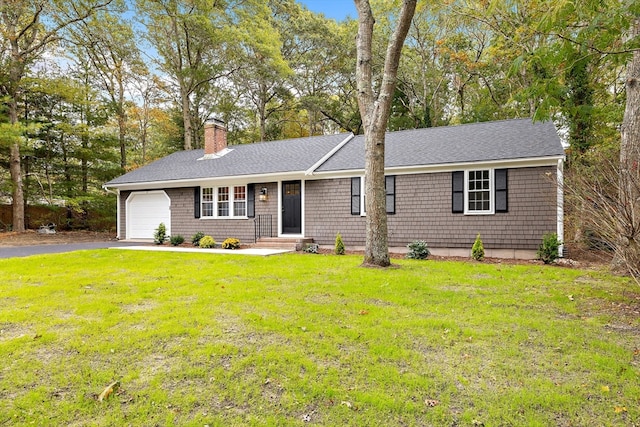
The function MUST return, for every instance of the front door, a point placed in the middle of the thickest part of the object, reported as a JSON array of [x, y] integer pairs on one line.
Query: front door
[[292, 207]]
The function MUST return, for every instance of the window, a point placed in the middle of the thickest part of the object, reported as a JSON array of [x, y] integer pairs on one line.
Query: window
[[224, 202], [207, 202], [479, 191], [239, 201], [358, 197]]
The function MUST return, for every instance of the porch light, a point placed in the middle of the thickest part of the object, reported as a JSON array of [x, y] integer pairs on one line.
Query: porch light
[[263, 194]]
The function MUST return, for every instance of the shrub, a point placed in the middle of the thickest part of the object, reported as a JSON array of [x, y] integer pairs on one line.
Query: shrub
[[311, 248], [549, 249], [207, 242], [339, 250], [418, 249], [477, 250], [160, 234], [176, 240], [195, 239], [231, 243]]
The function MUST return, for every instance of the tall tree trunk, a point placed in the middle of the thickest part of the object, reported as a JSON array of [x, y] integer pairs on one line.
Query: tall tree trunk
[[15, 170], [629, 249], [186, 119], [122, 123], [375, 111]]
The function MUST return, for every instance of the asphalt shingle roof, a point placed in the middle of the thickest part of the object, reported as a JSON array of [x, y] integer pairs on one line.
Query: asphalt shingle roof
[[476, 142], [249, 159]]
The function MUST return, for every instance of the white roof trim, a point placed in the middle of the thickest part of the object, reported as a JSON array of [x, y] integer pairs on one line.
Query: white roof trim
[[327, 156]]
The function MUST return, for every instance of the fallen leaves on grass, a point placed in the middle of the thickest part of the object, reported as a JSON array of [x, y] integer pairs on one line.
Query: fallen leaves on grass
[[620, 409], [431, 402], [108, 391], [363, 312]]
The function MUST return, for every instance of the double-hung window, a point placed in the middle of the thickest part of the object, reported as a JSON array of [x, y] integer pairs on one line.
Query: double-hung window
[[479, 184], [480, 191], [224, 202], [240, 200], [207, 202]]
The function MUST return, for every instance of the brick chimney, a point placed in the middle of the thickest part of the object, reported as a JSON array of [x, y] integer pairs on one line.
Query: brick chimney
[[215, 136]]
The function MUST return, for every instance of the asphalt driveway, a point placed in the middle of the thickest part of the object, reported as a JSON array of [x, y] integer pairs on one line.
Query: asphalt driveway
[[22, 251]]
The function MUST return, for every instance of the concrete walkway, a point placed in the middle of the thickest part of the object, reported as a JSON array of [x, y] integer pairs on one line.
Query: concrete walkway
[[247, 251]]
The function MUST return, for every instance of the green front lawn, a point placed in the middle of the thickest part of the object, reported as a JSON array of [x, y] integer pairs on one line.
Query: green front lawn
[[220, 340]]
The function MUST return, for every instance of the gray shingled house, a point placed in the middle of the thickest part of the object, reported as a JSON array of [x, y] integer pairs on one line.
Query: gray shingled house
[[444, 185]]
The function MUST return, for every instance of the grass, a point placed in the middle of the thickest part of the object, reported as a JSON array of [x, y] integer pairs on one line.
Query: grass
[[218, 340]]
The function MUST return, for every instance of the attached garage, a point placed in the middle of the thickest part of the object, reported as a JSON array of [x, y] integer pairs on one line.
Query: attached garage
[[145, 211]]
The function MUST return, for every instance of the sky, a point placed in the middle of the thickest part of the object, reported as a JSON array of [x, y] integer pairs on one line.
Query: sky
[[336, 9]]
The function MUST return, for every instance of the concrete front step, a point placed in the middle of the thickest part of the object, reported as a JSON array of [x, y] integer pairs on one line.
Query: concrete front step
[[289, 243]]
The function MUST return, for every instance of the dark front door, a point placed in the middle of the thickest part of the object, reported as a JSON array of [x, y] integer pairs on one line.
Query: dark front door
[[292, 207]]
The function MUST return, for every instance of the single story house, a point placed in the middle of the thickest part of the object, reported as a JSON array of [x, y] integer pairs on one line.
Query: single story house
[[444, 185]]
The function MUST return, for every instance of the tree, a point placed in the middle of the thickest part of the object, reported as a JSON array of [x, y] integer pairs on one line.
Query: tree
[[190, 38], [109, 44], [28, 28], [375, 109], [629, 242]]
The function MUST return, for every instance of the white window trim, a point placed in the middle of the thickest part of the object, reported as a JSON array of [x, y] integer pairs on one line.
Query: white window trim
[[492, 195], [231, 202]]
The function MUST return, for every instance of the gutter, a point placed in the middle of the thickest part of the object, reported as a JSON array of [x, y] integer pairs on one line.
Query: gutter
[[327, 156]]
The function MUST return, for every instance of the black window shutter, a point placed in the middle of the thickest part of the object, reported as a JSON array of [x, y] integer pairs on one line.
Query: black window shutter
[[502, 202], [390, 193], [355, 196], [457, 192], [196, 202], [251, 200]]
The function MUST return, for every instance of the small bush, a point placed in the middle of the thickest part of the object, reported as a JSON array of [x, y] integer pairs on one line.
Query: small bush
[[231, 243], [207, 242], [549, 249], [176, 240], [312, 248], [195, 239], [418, 249], [477, 250], [339, 250], [160, 234]]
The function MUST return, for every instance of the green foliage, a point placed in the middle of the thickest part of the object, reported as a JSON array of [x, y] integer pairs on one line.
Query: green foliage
[[477, 250], [339, 249], [231, 243], [195, 239], [549, 249], [418, 249], [160, 234], [207, 242], [176, 240]]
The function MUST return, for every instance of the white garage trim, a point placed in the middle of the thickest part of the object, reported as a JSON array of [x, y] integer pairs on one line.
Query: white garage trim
[[145, 211]]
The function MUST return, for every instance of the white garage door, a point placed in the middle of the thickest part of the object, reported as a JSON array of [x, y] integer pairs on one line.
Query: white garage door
[[145, 211]]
